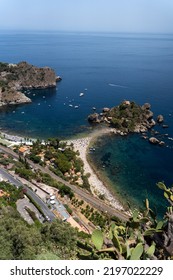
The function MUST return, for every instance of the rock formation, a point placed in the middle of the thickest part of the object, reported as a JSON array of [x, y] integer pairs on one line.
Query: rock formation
[[127, 117], [12, 97], [160, 119], [154, 140], [105, 110], [93, 118], [17, 77], [146, 106]]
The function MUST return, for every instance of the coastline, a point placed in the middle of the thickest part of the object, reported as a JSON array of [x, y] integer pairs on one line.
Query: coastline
[[11, 139], [80, 143], [97, 186]]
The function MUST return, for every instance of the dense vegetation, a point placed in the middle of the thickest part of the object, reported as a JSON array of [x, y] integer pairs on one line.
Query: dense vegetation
[[9, 194], [20, 241], [3, 67], [126, 116]]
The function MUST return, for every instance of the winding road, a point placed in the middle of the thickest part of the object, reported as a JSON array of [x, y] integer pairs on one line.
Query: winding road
[[32, 194]]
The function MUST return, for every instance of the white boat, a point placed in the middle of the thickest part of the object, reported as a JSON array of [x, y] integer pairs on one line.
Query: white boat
[[70, 105], [76, 106], [81, 94]]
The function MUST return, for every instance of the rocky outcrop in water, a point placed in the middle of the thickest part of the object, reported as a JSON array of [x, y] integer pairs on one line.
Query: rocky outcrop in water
[[156, 141], [160, 118], [127, 117], [146, 106], [105, 110], [17, 77], [153, 140], [94, 118]]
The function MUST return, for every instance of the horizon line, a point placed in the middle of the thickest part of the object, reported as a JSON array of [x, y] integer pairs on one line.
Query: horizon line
[[84, 31]]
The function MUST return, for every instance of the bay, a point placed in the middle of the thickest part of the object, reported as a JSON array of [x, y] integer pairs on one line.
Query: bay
[[107, 68]]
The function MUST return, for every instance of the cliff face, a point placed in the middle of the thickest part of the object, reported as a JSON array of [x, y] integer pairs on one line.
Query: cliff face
[[11, 97], [16, 77], [29, 76]]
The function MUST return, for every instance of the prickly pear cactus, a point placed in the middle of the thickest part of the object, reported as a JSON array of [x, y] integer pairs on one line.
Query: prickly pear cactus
[[137, 252], [97, 239]]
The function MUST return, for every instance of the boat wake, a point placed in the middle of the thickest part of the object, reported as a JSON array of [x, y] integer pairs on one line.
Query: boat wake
[[114, 85]]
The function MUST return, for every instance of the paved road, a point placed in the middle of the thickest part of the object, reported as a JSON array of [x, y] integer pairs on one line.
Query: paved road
[[95, 202], [21, 207], [17, 183], [10, 178]]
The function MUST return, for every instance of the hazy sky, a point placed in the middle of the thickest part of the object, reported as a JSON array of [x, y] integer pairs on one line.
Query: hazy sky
[[88, 15]]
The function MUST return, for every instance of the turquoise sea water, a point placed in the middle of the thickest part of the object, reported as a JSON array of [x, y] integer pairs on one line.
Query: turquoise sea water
[[134, 167], [107, 68]]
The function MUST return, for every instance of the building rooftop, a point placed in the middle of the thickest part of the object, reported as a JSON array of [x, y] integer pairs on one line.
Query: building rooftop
[[24, 149]]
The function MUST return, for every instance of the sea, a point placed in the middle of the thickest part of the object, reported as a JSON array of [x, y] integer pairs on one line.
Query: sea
[[106, 68]]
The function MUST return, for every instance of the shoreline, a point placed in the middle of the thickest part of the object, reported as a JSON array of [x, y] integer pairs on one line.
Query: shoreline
[[82, 144], [11, 139], [97, 186]]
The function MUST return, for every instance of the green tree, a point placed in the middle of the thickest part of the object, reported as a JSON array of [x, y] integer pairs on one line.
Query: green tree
[[54, 142]]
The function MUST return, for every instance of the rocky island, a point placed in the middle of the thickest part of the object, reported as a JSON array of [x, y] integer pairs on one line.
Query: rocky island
[[14, 78], [128, 117]]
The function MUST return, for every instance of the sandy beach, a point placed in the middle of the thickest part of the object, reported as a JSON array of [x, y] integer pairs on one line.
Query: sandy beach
[[13, 140], [97, 186]]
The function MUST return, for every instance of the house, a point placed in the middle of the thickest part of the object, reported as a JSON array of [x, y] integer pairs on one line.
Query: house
[[24, 150]]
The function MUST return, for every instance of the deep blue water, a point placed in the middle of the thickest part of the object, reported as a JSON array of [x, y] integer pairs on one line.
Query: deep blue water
[[139, 66]]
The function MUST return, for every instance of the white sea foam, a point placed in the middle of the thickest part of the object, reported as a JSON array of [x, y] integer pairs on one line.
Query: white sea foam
[[114, 85]]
